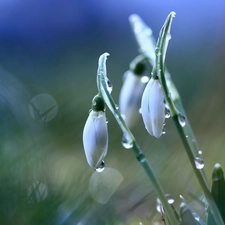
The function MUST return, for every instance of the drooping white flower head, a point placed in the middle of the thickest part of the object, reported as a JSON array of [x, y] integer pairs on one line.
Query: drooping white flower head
[[95, 134], [130, 97], [153, 108]]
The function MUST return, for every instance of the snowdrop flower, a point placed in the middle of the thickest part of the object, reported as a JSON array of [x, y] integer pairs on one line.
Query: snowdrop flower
[[153, 108], [95, 134], [130, 97]]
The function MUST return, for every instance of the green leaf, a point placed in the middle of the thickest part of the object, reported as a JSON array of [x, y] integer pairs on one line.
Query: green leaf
[[218, 193]]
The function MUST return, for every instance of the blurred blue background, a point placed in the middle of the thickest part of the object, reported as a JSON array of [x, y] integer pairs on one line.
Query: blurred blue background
[[52, 47]]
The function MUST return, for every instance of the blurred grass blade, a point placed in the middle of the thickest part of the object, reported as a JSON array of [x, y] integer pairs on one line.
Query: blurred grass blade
[[187, 213], [218, 193]]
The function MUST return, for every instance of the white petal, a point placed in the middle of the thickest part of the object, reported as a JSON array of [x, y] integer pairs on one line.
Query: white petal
[[95, 138], [130, 97], [153, 109], [145, 109], [157, 109]]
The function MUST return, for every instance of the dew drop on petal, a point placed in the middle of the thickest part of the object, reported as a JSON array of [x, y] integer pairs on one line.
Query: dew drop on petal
[[109, 85], [181, 120], [126, 142], [199, 163], [139, 110], [169, 198], [101, 167], [144, 79], [167, 113], [107, 121]]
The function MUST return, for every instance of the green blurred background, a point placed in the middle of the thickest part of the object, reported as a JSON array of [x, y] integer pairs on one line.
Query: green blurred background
[[52, 47]]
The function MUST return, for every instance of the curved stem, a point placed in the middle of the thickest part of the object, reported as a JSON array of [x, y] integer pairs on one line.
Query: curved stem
[[162, 45], [103, 90]]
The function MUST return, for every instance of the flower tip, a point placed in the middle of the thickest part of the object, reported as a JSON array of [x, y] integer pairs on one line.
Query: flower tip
[[102, 58], [134, 18], [173, 14]]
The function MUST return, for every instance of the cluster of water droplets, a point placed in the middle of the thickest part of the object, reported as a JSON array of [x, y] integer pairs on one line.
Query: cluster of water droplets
[[167, 116], [101, 167]]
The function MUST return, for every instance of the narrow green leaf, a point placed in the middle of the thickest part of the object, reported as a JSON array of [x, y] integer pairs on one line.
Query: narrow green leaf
[[218, 193]]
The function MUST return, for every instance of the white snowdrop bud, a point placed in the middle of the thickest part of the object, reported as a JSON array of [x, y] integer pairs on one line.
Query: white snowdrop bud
[[130, 97], [153, 108], [95, 134]]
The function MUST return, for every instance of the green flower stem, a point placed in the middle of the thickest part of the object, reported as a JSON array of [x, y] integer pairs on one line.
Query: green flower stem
[[212, 205], [103, 90], [160, 56], [146, 42], [190, 136]]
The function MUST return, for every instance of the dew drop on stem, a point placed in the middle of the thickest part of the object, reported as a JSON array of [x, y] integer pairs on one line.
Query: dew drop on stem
[[199, 152], [101, 167], [109, 85], [168, 36], [169, 198], [126, 142], [181, 119], [199, 163], [164, 130]]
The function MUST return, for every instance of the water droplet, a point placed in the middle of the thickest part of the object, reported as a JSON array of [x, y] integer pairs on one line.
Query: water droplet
[[168, 37], [144, 79], [199, 152], [186, 136], [170, 199], [159, 206], [196, 216], [117, 107], [181, 119], [141, 157], [107, 121], [164, 130], [126, 142], [199, 163], [101, 167], [157, 51], [109, 85], [167, 113], [139, 110]]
